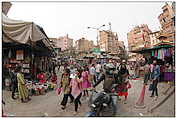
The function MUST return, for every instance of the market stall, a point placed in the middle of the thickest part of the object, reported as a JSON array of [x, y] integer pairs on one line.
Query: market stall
[[164, 52], [25, 44]]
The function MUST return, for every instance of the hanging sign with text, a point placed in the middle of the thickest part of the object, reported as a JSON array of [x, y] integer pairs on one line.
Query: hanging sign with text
[[19, 55]]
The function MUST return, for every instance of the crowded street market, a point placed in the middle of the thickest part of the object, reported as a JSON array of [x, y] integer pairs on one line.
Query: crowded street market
[[62, 77]]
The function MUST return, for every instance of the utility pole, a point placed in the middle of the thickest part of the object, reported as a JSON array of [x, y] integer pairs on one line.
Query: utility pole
[[110, 36], [97, 29], [110, 26]]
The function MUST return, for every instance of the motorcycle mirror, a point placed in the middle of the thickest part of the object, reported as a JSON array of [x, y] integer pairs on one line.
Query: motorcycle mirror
[[104, 93], [105, 105], [93, 105]]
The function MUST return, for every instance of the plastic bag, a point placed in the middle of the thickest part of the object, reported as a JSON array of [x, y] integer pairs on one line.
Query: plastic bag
[[151, 87], [58, 91], [129, 85]]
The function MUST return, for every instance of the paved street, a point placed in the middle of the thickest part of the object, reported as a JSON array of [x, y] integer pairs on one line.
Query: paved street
[[49, 104], [102, 41]]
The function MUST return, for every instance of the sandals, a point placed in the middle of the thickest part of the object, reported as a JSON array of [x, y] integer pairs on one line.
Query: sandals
[[63, 107], [75, 113], [29, 99], [24, 101]]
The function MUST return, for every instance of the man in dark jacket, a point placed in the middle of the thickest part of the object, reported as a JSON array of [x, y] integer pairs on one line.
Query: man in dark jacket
[[110, 78], [155, 78], [14, 85]]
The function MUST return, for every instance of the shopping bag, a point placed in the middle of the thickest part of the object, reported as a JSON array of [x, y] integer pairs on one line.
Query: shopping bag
[[129, 85], [58, 91], [151, 87]]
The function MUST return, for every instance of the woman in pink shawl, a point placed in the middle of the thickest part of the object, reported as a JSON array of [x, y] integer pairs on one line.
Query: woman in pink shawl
[[76, 90], [85, 84]]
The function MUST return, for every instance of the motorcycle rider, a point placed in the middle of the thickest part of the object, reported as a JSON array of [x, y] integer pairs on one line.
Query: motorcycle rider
[[109, 76]]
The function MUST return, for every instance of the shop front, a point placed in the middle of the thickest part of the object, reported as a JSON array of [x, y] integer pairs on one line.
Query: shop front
[[165, 56], [25, 44]]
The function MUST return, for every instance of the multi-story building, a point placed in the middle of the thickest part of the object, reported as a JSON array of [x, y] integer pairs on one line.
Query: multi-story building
[[55, 42], [166, 19], [154, 38], [121, 44], [138, 37], [56, 45], [121, 49], [108, 41], [65, 43], [84, 45], [174, 14]]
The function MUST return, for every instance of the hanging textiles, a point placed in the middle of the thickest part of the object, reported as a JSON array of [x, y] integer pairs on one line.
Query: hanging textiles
[[168, 53], [158, 55], [165, 52], [10, 54], [169, 76], [170, 50], [152, 53], [162, 53]]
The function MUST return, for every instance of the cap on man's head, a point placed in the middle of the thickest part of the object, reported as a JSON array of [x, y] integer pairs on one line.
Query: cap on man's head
[[123, 61]]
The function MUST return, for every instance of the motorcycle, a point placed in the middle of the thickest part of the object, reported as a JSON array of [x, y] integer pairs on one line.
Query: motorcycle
[[102, 104]]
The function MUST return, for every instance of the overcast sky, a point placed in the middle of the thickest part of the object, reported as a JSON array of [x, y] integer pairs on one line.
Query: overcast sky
[[60, 18]]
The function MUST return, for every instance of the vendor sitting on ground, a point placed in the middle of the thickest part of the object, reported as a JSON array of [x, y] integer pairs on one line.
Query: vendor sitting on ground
[[54, 78], [41, 77]]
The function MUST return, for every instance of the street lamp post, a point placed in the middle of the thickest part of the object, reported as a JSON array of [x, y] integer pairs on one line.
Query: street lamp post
[[98, 28]]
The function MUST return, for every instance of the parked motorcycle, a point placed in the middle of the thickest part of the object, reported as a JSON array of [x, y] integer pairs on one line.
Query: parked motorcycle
[[102, 104]]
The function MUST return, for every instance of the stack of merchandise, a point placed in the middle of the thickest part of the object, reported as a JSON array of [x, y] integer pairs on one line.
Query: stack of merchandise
[[51, 86], [38, 88], [29, 86]]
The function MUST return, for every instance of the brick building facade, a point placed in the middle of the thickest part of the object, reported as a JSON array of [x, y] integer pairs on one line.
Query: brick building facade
[[138, 37], [166, 19], [84, 45]]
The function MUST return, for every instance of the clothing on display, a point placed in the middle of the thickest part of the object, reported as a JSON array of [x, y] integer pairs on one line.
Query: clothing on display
[[169, 76], [158, 57], [156, 53], [152, 53], [162, 53]]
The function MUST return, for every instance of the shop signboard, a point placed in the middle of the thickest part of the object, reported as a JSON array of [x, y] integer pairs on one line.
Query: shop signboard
[[96, 51], [19, 55]]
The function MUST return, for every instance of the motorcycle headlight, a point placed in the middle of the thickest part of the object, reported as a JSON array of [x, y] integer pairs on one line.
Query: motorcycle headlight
[[93, 105]]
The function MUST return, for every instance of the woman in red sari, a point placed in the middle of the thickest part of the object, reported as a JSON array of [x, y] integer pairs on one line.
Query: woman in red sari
[[125, 85], [123, 90]]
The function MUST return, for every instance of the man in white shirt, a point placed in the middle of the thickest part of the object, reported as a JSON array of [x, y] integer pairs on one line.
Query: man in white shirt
[[92, 72], [98, 69], [61, 70]]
